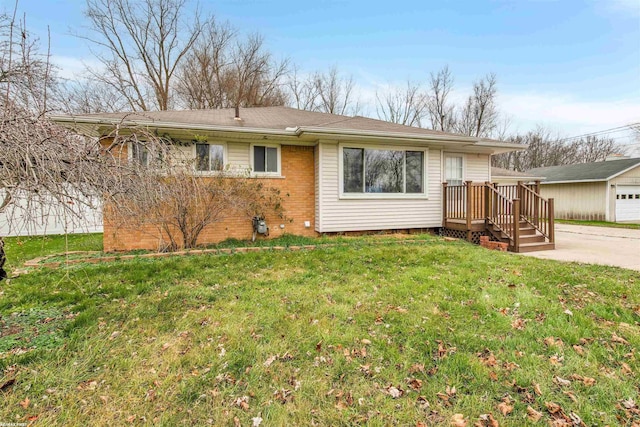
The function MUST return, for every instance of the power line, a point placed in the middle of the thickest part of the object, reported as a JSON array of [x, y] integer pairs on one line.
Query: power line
[[605, 131]]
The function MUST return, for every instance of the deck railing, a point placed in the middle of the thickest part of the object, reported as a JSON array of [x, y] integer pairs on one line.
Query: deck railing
[[502, 213], [537, 211], [502, 206]]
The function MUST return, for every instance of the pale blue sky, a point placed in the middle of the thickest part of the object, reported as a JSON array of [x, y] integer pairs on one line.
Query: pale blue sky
[[572, 65]]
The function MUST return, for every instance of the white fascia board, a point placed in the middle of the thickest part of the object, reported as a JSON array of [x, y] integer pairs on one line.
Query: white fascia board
[[574, 182], [167, 125]]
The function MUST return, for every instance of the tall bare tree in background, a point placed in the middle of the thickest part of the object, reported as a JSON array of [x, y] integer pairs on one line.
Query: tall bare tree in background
[[223, 70], [479, 115], [547, 149], [441, 109], [140, 45], [325, 92], [407, 106]]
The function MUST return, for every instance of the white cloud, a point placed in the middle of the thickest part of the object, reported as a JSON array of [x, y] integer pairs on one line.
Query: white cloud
[[72, 68], [567, 114], [624, 6]]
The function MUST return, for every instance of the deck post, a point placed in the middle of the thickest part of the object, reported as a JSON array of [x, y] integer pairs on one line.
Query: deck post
[[537, 186], [552, 227], [469, 208], [516, 225], [487, 184], [444, 204]]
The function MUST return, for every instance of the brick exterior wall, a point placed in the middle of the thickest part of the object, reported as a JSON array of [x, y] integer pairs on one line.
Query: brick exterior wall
[[297, 189]]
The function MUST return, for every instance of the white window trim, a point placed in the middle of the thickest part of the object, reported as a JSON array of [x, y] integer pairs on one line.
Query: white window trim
[[383, 196], [278, 173], [225, 158], [464, 165]]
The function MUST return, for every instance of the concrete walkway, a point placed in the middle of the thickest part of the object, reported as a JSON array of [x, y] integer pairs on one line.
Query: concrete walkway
[[619, 247]]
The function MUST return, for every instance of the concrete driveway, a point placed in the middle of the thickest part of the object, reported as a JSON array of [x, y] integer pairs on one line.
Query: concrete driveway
[[619, 247]]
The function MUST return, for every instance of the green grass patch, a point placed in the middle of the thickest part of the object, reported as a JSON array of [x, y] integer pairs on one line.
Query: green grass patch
[[390, 334], [599, 223]]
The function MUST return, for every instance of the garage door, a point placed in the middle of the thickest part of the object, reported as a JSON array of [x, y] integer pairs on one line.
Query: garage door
[[628, 203]]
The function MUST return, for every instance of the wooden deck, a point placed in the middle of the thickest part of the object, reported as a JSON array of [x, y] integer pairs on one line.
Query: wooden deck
[[514, 214]]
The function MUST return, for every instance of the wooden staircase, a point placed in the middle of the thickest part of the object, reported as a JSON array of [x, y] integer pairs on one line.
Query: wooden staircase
[[513, 214], [531, 240]]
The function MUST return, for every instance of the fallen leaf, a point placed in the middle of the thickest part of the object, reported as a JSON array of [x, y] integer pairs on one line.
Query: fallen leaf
[[487, 420], [256, 421], [165, 346], [104, 399], [458, 420], [568, 312], [518, 324], [561, 381], [415, 383], [617, 339], [131, 418], [536, 389], [242, 402], [533, 415], [25, 403], [505, 408], [269, 361], [365, 341], [394, 392], [416, 367], [579, 349], [113, 336]]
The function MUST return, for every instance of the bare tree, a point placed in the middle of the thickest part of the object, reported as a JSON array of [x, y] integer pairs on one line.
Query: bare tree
[[546, 149], [303, 92], [335, 93], [440, 108], [479, 115], [86, 96], [326, 92], [224, 71], [406, 106], [140, 46]]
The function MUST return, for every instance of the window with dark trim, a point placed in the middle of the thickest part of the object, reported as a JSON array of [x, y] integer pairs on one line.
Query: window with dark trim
[[209, 157], [367, 170], [265, 159]]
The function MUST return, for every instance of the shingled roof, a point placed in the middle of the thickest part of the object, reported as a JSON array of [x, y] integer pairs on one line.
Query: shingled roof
[[596, 171], [277, 118]]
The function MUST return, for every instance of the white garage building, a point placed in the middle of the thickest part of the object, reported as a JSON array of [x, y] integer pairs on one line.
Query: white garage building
[[601, 191]]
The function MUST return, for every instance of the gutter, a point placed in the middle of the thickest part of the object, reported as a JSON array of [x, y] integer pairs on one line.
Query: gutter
[[463, 140], [298, 131], [168, 125]]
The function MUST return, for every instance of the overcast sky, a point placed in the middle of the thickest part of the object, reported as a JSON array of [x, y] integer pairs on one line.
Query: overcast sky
[[573, 66]]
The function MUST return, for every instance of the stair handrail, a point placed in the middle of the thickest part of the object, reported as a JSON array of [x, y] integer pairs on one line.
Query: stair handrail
[[537, 211], [499, 210]]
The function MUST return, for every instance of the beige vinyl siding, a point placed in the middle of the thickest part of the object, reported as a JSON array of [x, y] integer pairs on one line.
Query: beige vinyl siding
[[317, 167], [238, 155], [586, 201], [631, 177], [375, 214], [477, 167]]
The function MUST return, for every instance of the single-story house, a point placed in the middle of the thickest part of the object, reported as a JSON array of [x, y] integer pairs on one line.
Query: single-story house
[[602, 191], [507, 176], [341, 174]]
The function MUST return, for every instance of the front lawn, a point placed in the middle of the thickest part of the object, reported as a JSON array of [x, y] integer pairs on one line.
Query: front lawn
[[396, 334]]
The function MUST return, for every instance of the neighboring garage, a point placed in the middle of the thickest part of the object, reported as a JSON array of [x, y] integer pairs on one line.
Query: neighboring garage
[[602, 191]]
